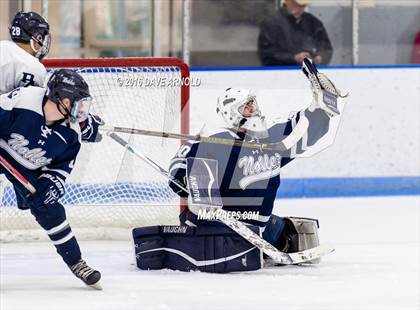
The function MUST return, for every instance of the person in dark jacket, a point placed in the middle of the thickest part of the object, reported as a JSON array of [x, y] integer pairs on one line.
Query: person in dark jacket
[[292, 34]]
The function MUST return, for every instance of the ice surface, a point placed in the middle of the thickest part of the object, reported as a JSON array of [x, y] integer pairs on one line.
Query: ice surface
[[375, 266]]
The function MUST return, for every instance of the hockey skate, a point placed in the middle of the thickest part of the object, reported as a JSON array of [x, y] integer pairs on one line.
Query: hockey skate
[[88, 275]]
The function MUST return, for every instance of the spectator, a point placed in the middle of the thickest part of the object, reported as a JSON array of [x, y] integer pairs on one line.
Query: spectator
[[415, 52], [291, 35]]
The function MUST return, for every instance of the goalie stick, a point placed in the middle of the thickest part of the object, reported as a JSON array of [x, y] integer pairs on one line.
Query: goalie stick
[[287, 143], [238, 227]]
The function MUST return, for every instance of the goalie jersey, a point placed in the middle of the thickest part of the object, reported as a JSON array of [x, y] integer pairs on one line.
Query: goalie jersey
[[31, 146], [19, 68], [248, 178]]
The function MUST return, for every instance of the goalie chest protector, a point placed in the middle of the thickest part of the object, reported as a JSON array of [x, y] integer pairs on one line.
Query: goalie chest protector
[[209, 249]]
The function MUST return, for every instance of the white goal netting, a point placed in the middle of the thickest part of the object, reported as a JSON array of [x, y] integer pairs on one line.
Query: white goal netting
[[110, 190]]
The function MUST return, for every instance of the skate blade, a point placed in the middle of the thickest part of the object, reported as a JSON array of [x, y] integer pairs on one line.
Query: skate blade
[[96, 286]]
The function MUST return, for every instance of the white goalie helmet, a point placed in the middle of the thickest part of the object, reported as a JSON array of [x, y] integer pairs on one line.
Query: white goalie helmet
[[239, 109]]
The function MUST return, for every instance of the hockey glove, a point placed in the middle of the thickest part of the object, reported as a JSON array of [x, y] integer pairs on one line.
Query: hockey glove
[[90, 129], [48, 190], [324, 91]]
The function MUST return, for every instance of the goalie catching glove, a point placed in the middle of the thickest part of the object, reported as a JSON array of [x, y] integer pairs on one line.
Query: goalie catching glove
[[324, 91]]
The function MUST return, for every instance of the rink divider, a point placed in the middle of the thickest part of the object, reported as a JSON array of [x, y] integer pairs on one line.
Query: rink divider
[[348, 187], [283, 68], [124, 193]]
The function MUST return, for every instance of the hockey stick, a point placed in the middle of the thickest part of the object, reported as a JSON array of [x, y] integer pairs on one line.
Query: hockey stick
[[238, 227], [284, 145], [17, 175], [22, 180]]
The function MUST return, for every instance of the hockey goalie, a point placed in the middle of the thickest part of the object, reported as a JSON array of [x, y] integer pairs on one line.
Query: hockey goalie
[[241, 180]]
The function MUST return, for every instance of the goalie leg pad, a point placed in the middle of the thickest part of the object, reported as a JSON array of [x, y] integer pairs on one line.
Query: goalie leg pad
[[292, 234], [206, 249]]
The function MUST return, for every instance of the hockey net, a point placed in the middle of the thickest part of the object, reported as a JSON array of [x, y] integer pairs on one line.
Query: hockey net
[[110, 190]]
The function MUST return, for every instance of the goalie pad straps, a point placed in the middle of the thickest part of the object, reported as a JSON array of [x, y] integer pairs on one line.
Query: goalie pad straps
[[207, 249]]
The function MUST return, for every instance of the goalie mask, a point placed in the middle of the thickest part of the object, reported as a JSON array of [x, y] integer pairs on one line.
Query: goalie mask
[[239, 110], [66, 83], [32, 28]]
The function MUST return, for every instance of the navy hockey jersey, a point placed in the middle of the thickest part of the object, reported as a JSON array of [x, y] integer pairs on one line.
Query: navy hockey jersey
[[249, 178], [31, 146]]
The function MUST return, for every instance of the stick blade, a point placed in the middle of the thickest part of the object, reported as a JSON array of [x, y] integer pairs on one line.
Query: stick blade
[[311, 254]]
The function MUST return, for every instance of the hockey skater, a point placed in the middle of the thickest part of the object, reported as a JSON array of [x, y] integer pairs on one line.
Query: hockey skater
[[40, 137], [20, 58], [20, 64], [246, 181]]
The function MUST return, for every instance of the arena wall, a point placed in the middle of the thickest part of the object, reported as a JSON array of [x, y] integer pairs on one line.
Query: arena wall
[[377, 149]]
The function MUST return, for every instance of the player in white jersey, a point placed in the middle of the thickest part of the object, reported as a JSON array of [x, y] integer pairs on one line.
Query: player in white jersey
[[20, 64]]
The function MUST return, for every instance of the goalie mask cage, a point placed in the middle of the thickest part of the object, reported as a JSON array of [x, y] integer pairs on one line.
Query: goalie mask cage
[[110, 190]]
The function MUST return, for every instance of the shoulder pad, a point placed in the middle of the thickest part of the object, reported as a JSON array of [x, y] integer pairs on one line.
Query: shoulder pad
[[28, 98]]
